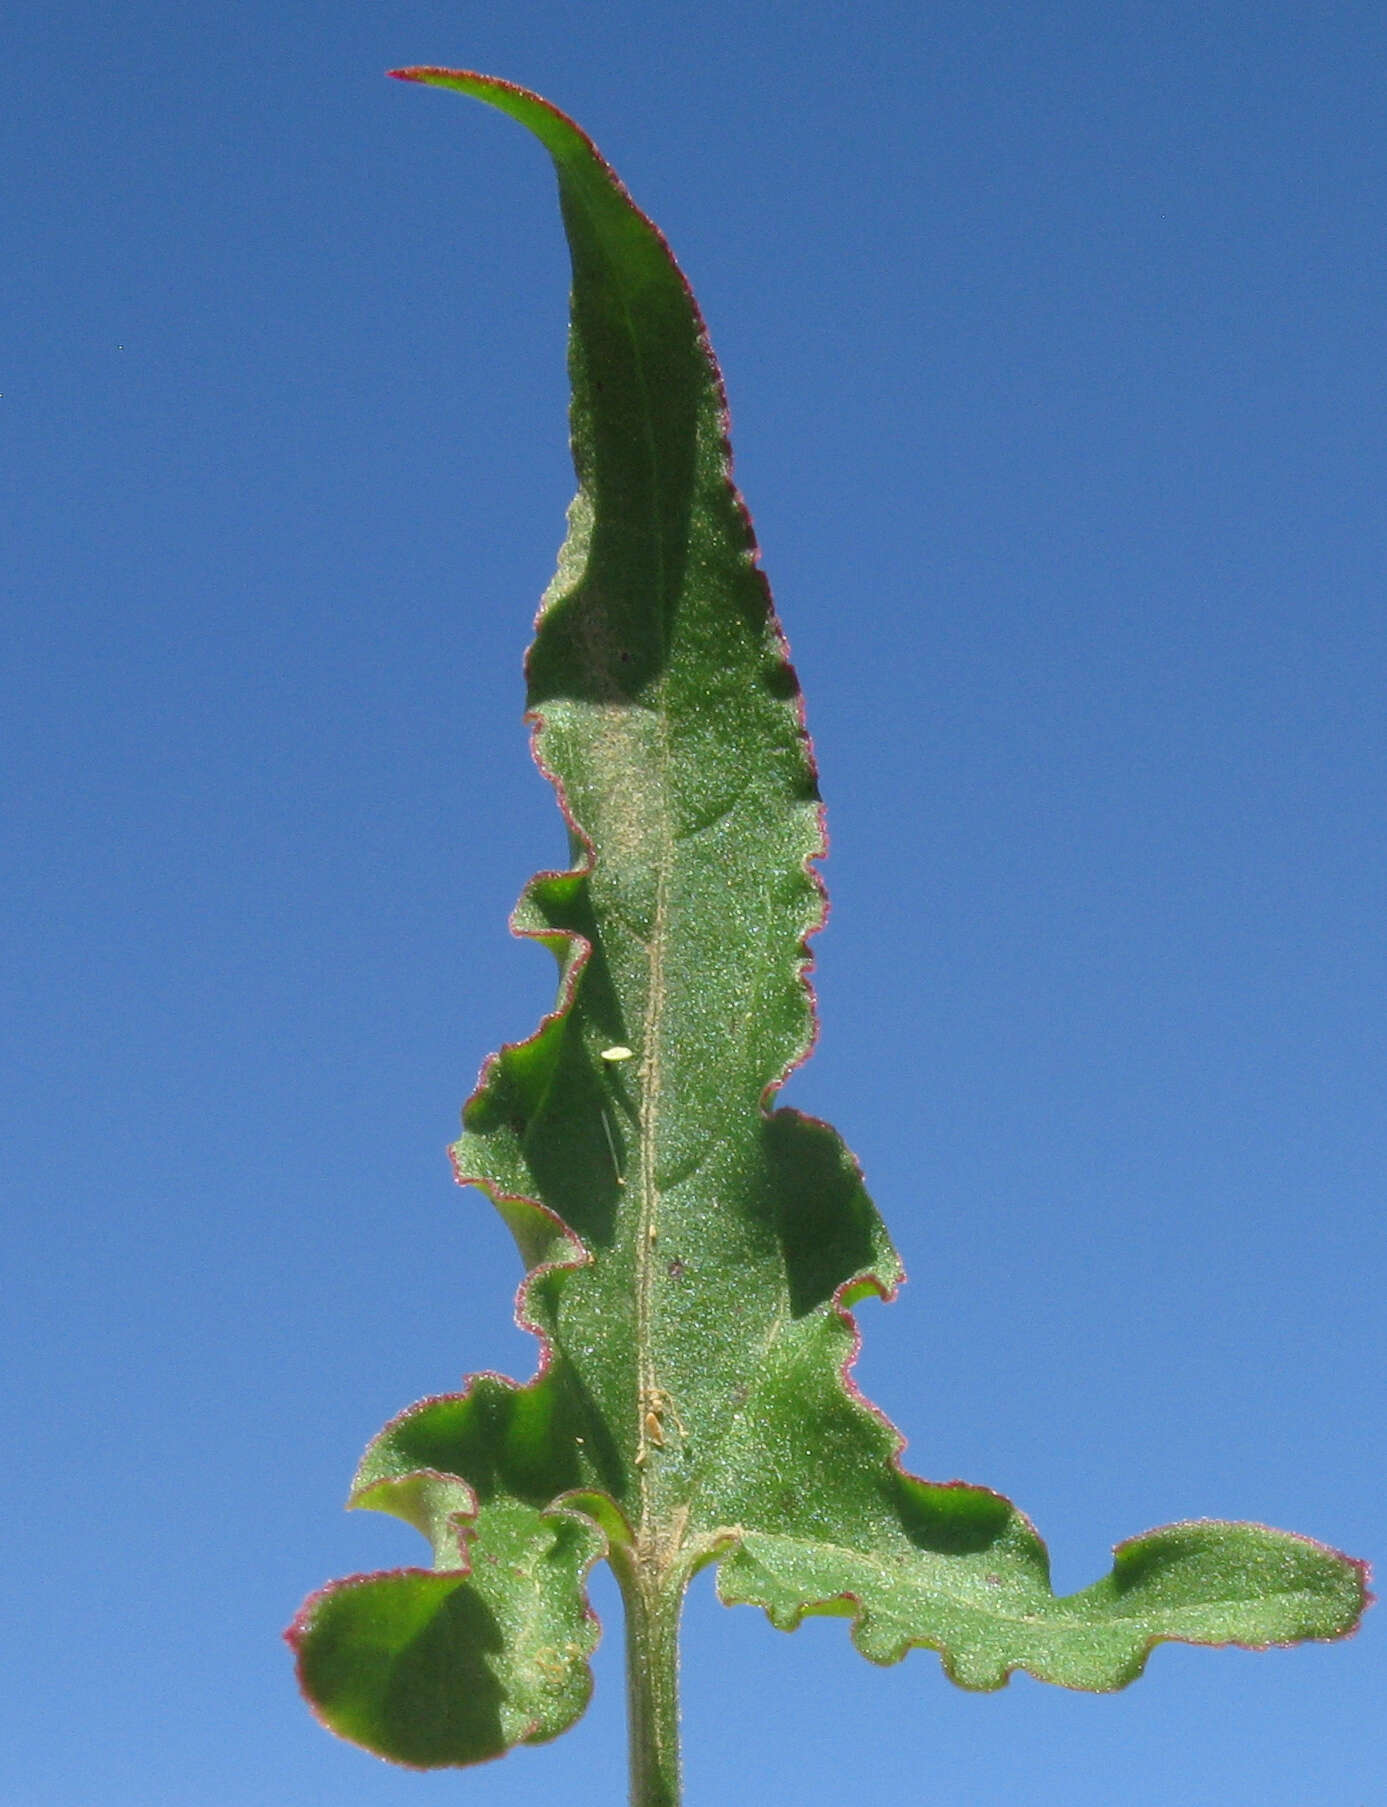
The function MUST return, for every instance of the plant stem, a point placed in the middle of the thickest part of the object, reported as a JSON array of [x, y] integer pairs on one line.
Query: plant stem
[[652, 1683]]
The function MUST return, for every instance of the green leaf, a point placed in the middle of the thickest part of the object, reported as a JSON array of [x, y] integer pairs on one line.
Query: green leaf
[[989, 1611], [692, 1253], [453, 1667]]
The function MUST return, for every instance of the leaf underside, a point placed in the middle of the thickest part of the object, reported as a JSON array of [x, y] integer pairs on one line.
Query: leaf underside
[[691, 1252]]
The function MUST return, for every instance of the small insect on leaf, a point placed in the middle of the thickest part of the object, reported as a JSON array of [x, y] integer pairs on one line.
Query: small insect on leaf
[[616, 1053]]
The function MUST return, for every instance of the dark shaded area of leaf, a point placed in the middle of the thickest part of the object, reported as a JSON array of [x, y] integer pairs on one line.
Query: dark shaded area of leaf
[[563, 902], [555, 1111], [956, 1519], [401, 1664], [504, 1440], [570, 1144], [828, 1227], [546, 1092], [610, 637]]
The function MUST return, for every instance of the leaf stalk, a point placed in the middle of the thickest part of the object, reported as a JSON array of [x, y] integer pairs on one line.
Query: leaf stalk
[[653, 1604]]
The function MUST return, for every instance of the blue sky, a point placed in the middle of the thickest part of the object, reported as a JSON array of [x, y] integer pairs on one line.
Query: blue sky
[[1054, 341]]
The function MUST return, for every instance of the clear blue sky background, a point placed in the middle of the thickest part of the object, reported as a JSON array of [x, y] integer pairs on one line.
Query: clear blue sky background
[[1054, 335]]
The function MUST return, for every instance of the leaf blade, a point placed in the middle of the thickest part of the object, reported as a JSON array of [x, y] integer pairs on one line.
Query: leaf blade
[[1204, 1582], [668, 716], [692, 1253]]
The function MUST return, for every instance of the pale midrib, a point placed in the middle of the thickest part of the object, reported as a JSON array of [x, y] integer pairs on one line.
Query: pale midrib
[[648, 1392], [647, 1228]]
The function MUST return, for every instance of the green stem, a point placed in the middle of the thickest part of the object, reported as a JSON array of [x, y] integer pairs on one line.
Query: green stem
[[652, 1684]]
